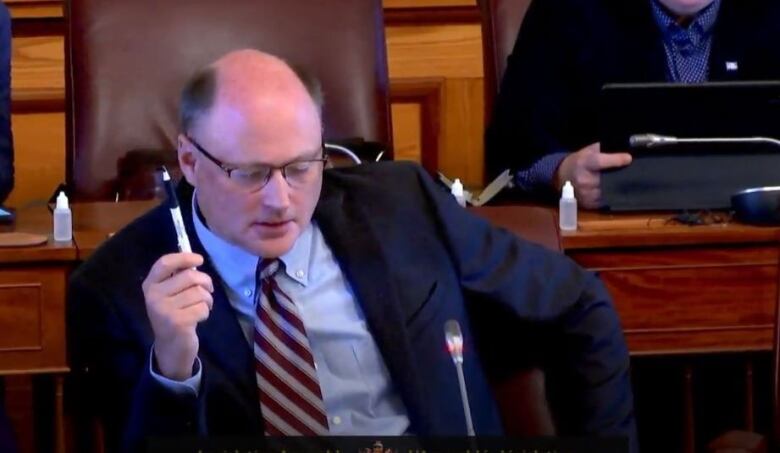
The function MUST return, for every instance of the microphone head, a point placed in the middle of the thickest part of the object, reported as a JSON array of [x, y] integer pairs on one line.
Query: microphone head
[[454, 338], [650, 140]]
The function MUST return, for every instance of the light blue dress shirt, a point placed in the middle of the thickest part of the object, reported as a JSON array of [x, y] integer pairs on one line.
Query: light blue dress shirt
[[359, 396]]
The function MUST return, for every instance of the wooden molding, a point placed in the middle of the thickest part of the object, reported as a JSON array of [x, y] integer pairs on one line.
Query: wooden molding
[[428, 93], [47, 101], [35, 9], [449, 12], [433, 15]]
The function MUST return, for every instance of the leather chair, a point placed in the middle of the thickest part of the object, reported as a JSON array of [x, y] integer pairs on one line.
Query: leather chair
[[522, 398], [127, 62], [501, 21]]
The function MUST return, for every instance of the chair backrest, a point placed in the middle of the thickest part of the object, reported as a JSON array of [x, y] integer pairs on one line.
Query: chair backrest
[[127, 62], [501, 21]]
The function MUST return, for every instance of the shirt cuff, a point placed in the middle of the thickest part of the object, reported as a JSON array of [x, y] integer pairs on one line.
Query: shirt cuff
[[189, 386], [540, 174]]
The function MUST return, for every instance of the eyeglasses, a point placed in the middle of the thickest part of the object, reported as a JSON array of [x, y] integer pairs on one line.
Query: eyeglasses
[[297, 173]]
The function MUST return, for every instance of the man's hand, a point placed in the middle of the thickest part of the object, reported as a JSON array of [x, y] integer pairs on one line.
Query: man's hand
[[178, 297], [583, 168]]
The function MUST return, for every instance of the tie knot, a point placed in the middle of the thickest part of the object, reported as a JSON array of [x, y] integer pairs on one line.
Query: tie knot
[[266, 268]]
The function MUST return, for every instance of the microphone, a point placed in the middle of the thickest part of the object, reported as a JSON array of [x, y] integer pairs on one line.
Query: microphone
[[655, 140], [756, 205], [454, 339]]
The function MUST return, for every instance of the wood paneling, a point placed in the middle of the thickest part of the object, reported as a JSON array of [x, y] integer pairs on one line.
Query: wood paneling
[[448, 135], [461, 152], [451, 51], [427, 95], [453, 55], [36, 344], [23, 9], [407, 131], [37, 69], [39, 142]]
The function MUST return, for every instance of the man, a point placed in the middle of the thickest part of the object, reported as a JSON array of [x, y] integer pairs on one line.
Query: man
[[315, 301], [545, 122]]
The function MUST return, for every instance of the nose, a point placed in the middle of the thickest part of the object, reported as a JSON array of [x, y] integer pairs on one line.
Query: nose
[[276, 193]]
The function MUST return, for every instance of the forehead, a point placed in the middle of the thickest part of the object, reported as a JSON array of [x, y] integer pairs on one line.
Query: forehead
[[263, 129]]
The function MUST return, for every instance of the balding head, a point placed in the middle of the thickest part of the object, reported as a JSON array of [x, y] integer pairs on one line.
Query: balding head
[[199, 93], [254, 111]]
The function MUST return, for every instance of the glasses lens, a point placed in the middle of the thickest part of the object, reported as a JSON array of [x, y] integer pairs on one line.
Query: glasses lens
[[252, 179]]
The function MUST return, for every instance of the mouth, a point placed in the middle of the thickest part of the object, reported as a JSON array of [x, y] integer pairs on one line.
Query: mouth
[[272, 229], [278, 224]]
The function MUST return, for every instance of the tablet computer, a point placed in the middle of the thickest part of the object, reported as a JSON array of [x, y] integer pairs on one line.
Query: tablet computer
[[689, 176]]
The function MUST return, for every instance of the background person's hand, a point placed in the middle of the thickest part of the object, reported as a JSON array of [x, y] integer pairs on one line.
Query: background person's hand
[[583, 168], [177, 297]]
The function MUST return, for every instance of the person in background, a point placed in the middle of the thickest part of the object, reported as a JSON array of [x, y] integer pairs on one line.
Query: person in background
[[545, 122], [6, 137]]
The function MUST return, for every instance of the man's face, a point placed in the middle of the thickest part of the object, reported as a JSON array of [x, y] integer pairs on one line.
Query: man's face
[[246, 134], [685, 8]]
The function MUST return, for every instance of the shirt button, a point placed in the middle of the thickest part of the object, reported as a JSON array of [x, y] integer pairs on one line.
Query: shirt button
[[247, 292], [337, 420], [300, 274]]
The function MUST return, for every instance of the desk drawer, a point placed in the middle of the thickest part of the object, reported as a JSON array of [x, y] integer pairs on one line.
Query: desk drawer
[[691, 299], [32, 320]]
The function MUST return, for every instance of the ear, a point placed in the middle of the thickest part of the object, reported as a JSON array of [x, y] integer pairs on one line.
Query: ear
[[187, 159]]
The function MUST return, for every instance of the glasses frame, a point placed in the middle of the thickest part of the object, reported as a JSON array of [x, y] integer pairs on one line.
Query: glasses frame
[[283, 168]]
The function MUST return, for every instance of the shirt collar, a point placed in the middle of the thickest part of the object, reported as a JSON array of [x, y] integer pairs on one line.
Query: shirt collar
[[234, 264], [699, 28]]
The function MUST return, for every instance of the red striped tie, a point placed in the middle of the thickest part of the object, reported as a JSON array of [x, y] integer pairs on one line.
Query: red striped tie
[[290, 396]]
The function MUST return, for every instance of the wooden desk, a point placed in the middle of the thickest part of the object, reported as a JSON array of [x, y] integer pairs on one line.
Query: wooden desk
[[32, 307], [683, 289], [33, 282]]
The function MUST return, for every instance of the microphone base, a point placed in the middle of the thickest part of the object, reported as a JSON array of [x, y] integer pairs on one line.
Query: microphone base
[[757, 206]]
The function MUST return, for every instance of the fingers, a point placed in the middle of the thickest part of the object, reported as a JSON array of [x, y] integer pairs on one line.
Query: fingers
[[612, 160], [196, 313], [172, 283], [189, 297], [171, 264], [185, 279]]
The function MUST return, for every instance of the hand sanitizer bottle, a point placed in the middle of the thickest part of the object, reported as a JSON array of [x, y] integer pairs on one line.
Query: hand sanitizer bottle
[[567, 214], [457, 192], [63, 220]]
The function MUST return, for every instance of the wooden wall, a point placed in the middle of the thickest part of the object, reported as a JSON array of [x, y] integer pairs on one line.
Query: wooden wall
[[435, 62]]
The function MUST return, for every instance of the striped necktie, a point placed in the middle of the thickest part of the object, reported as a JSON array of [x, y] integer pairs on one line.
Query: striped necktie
[[290, 395]]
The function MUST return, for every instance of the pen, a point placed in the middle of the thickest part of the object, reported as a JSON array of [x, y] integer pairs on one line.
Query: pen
[[173, 205]]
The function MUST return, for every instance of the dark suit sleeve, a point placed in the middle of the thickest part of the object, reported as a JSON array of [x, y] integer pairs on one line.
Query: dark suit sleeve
[[6, 137], [561, 310], [112, 378], [533, 108]]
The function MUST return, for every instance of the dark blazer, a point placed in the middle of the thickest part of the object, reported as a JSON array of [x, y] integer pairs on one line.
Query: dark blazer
[[567, 50], [414, 259]]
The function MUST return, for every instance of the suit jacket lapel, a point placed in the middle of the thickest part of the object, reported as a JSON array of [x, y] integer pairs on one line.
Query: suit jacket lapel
[[357, 249], [221, 337]]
